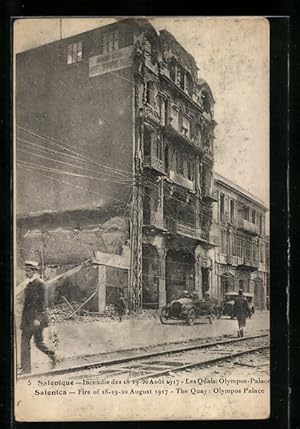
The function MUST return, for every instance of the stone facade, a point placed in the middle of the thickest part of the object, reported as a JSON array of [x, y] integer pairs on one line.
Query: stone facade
[[240, 260]]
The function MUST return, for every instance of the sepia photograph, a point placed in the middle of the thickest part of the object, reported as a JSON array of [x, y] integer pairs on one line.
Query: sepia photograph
[[141, 218]]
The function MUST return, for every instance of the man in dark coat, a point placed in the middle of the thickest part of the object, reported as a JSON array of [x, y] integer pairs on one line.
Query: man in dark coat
[[121, 306], [241, 311], [34, 317]]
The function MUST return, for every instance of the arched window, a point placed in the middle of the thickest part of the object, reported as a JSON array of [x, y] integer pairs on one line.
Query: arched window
[[205, 101], [149, 50], [180, 77], [172, 69]]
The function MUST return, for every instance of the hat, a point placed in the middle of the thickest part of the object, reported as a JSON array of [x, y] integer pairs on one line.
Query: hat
[[31, 264]]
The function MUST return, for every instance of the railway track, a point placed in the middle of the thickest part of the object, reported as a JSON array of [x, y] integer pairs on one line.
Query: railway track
[[159, 363]]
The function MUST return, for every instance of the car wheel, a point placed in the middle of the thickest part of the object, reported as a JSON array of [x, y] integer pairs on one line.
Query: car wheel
[[163, 316], [191, 316]]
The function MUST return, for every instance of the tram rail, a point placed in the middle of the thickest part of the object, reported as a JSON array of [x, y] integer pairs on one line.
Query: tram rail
[[163, 362]]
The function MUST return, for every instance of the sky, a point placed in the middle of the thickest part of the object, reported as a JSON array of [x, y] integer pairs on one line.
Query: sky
[[233, 57]]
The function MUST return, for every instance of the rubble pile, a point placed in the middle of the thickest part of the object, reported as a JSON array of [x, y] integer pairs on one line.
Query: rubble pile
[[60, 312]]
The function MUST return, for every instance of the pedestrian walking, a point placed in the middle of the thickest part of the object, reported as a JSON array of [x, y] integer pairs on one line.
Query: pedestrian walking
[[121, 306], [34, 317], [241, 311]]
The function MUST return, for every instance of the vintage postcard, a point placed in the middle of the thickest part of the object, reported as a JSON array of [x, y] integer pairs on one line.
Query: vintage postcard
[[141, 218]]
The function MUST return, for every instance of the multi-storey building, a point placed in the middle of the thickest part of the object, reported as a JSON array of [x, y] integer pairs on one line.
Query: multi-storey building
[[241, 259], [111, 114]]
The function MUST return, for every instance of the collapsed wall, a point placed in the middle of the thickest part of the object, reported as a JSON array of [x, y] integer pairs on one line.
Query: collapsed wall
[[60, 249]]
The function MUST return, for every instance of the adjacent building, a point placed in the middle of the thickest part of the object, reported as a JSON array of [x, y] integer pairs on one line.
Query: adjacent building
[[241, 259]]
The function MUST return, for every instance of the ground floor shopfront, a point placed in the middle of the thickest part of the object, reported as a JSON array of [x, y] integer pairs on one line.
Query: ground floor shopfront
[[171, 266], [228, 278]]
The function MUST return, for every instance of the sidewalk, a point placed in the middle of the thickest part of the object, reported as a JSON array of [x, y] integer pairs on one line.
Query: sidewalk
[[79, 339]]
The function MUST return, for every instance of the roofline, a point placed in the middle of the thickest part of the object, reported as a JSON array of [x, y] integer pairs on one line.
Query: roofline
[[125, 20], [240, 190]]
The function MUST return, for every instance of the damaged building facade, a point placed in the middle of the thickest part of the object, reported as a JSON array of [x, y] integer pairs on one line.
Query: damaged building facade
[[114, 154], [241, 259]]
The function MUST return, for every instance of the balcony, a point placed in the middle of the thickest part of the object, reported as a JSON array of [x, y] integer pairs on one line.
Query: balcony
[[247, 226], [151, 115], [188, 230], [153, 221], [174, 132], [184, 229], [232, 260], [182, 181], [240, 261], [210, 196], [249, 263], [151, 161]]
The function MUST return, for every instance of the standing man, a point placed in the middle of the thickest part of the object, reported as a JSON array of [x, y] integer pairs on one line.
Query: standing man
[[121, 306], [34, 317], [241, 311]]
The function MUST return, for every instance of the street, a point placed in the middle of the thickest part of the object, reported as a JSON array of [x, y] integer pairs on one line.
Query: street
[[78, 340]]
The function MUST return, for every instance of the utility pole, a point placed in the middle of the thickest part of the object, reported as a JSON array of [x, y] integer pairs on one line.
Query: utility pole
[[136, 262]]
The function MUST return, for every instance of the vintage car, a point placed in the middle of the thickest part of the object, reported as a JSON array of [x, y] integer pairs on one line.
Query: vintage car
[[189, 307], [228, 304]]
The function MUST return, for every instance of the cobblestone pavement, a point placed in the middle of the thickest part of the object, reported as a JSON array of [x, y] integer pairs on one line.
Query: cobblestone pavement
[[86, 336]]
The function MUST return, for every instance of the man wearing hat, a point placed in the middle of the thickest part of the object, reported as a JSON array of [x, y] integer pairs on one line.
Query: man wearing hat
[[34, 317], [241, 311]]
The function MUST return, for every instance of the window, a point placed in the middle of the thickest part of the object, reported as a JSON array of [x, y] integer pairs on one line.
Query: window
[[248, 249], [193, 133], [253, 216], [239, 245], [149, 50], [222, 207], [186, 126], [227, 243], [186, 213], [231, 210], [246, 213], [255, 251], [147, 47], [260, 224], [74, 54], [180, 119], [179, 162], [180, 77], [173, 71], [189, 84], [223, 242], [147, 142], [244, 284], [162, 110], [205, 101], [110, 42], [262, 259], [198, 133], [150, 93], [159, 149], [166, 157], [190, 166]]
